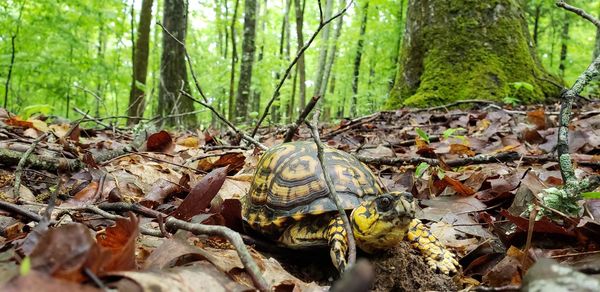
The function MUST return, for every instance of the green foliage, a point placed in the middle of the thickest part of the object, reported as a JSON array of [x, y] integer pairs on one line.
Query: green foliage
[[422, 134], [591, 195], [451, 133], [513, 97], [421, 168], [69, 52], [27, 111], [25, 267]]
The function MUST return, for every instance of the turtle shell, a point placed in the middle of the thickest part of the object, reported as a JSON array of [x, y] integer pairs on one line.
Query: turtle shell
[[289, 186]]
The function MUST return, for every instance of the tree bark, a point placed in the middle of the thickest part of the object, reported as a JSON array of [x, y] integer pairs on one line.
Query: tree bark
[[357, 59], [332, 52], [137, 101], [400, 16], [173, 72], [248, 49], [467, 49], [300, 38], [234, 60], [256, 93], [563, 46], [323, 50]]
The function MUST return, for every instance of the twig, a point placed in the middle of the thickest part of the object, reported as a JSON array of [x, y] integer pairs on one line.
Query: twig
[[90, 118], [22, 161], [18, 210], [199, 229], [322, 24], [332, 193], [39, 162], [293, 127], [189, 61], [477, 159], [353, 124], [224, 120], [578, 11], [572, 185]]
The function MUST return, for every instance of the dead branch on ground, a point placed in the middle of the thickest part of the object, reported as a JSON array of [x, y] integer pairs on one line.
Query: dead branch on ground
[[22, 162]]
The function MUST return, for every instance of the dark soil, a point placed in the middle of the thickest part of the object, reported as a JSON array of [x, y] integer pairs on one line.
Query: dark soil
[[399, 269], [404, 269]]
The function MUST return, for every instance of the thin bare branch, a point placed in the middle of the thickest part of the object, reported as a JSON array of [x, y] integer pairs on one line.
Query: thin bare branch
[[332, 193], [291, 65]]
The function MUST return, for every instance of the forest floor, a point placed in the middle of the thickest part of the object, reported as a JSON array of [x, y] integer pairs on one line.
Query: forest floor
[[476, 173]]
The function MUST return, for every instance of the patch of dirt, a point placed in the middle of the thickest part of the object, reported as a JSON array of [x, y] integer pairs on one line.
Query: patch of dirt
[[399, 269], [403, 269]]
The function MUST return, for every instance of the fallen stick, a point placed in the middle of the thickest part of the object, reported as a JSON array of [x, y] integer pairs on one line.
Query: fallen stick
[[293, 127], [332, 193]]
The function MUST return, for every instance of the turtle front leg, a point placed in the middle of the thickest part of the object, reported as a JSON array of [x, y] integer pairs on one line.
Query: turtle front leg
[[437, 256], [337, 238]]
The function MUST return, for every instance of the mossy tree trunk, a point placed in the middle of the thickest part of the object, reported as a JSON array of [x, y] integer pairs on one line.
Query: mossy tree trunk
[[465, 49]]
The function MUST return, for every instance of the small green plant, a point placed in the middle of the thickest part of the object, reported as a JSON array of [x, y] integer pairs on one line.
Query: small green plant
[[421, 168], [452, 133], [27, 111], [423, 135], [512, 98]]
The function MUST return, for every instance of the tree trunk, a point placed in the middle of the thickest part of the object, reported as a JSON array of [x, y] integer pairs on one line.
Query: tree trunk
[[467, 49], [332, 52], [234, 60], [536, 22], [563, 46], [137, 101], [248, 49], [173, 73], [323, 50], [256, 93], [300, 38], [396, 55], [357, 58]]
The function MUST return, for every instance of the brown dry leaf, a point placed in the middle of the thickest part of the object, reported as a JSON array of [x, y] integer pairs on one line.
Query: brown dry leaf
[[190, 141], [459, 187], [119, 241], [532, 136], [37, 281], [509, 270], [160, 142], [461, 149], [235, 162], [201, 276], [87, 195], [16, 121], [538, 118], [235, 187], [438, 207], [162, 189], [201, 195], [450, 236], [65, 251]]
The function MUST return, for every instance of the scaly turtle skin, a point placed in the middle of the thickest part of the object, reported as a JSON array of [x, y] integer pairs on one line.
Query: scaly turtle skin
[[289, 202]]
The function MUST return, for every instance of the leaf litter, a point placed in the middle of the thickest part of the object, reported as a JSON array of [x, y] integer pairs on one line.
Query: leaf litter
[[472, 198]]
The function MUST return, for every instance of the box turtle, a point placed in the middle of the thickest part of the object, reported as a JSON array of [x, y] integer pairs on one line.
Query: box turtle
[[289, 202]]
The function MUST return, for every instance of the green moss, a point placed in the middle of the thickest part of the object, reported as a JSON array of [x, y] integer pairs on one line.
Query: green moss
[[469, 50]]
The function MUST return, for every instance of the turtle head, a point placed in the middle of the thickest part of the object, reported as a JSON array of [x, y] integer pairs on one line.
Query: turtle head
[[382, 222]]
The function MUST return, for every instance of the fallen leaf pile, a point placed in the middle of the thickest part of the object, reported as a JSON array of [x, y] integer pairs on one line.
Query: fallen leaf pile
[[476, 173]]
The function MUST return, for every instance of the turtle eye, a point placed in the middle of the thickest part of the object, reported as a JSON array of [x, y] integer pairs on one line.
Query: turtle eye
[[384, 204]]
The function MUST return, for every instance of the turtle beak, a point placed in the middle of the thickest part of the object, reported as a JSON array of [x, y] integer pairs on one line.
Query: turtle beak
[[405, 205]]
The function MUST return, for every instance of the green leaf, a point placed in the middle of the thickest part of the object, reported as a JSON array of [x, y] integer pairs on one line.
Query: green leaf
[[591, 195], [27, 111], [421, 168], [450, 132], [25, 267], [253, 115], [422, 134], [441, 173], [141, 86]]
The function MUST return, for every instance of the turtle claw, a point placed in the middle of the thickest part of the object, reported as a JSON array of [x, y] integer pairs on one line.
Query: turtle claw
[[437, 256]]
